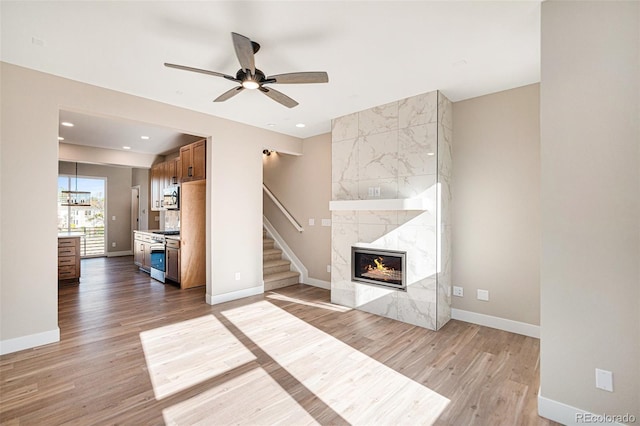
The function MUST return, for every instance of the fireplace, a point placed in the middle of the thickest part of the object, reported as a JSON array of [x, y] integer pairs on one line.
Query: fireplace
[[385, 268]]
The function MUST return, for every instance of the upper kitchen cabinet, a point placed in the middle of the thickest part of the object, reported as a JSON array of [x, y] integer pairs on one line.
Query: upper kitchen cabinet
[[172, 171], [192, 157], [157, 185]]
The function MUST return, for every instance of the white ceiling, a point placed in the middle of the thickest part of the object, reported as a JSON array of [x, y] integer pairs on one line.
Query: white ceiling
[[374, 52]]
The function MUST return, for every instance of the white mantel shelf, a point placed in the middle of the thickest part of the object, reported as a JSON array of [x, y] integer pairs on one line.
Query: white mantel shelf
[[386, 204]]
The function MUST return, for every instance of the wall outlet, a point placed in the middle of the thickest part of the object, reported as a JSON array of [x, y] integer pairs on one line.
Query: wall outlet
[[376, 191], [458, 291], [237, 276], [113, 244], [326, 222], [483, 295], [312, 222], [604, 380], [329, 268]]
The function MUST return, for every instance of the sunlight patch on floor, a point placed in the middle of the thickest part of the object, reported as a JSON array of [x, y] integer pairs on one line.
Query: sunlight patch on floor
[[250, 398], [181, 355], [357, 387], [329, 306]]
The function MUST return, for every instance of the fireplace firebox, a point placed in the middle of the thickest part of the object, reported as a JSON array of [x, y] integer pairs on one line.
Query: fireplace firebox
[[381, 267]]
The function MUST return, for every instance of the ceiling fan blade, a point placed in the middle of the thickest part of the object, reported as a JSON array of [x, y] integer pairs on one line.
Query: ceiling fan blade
[[279, 97], [201, 71], [229, 94], [244, 52], [299, 78]]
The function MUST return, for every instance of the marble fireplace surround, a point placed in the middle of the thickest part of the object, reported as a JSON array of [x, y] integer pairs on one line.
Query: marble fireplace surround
[[403, 148]]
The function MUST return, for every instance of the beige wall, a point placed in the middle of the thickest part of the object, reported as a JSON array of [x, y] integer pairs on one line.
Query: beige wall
[[30, 102], [303, 186], [590, 198], [496, 204], [118, 200]]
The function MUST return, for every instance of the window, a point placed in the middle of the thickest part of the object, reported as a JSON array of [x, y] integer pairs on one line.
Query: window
[[87, 221]]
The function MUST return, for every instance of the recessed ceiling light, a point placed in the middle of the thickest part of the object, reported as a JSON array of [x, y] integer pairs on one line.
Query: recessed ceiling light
[[60, 138], [144, 137], [430, 154], [271, 125], [126, 147], [67, 124], [300, 125]]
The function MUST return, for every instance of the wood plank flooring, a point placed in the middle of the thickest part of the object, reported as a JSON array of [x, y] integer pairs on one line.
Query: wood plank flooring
[[135, 351]]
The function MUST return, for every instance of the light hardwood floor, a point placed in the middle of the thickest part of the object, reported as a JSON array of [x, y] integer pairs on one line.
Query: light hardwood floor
[[134, 351]]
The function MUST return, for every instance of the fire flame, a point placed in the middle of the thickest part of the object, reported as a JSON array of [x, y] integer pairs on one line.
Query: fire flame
[[380, 267]]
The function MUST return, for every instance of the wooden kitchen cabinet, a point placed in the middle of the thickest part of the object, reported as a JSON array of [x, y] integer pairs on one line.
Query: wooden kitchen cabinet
[[68, 259], [163, 175], [172, 171], [142, 250], [193, 161], [173, 259], [157, 185]]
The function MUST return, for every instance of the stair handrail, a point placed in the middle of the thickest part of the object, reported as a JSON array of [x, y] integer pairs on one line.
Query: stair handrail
[[282, 208]]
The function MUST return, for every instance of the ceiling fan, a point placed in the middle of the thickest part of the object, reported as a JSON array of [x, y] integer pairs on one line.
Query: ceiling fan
[[251, 77]]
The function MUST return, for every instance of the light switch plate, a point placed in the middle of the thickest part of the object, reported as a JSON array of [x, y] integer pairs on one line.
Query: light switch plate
[[237, 276], [329, 268], [312, 222], [326, 222]]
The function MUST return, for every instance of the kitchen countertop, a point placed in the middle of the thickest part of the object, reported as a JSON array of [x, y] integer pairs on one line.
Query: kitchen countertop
[[151, 232], [70, 234]]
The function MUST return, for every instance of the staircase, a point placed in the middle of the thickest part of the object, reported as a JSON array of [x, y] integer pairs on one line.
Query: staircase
[[276, 271]]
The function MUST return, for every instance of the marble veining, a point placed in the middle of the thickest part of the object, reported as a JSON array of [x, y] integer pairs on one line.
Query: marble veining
[[417, 186], [344, 190], [416, 110], [378, 119], [378, 155], [345, 127], [344, 160], [417, 148], [405, 149]]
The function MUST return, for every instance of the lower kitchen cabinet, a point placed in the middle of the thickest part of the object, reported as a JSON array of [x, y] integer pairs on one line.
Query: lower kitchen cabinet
[[142, 250], [68, 259], [173, 260]]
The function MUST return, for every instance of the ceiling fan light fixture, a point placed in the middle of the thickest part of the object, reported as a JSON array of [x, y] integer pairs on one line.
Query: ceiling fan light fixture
[[250, 84]]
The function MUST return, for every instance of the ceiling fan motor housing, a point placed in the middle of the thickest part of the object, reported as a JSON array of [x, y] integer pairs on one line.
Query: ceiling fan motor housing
[[259, 77]]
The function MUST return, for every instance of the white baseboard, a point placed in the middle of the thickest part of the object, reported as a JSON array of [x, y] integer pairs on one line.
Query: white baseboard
[[234, 295], [496, 322], [119, 253], [31, 341], [318, 283], [568, 415]]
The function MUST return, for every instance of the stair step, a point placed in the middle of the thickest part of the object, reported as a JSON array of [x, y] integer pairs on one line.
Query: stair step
[[267, 243], [274, 266], [271, 254], [280, 279]]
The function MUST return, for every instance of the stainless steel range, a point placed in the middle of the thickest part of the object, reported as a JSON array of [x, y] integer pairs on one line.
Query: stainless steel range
[[158, 254]]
